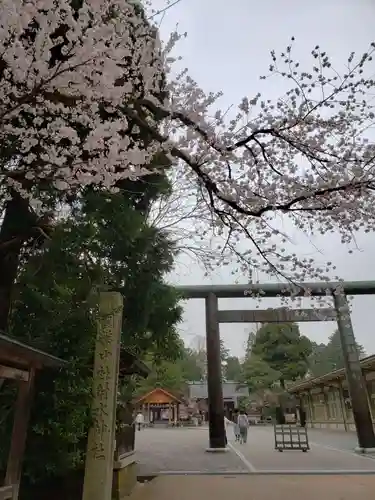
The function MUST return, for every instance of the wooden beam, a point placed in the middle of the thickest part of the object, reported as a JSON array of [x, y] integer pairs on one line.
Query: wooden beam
[[10, 359], [276, 315], [14, 373], [19, 432], [263, 290], [12, 349]]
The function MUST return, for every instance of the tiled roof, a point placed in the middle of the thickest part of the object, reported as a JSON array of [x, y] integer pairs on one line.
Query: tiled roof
[[367, 363], [198, 390]]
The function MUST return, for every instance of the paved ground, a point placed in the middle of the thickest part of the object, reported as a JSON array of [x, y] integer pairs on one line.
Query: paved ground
[[257, 487], [334, 438], [327, 454], [183, 450], [165, 450]]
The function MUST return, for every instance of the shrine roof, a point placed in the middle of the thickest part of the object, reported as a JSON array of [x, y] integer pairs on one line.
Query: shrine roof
[[167, 393], [367, 364], [231, 389], [17, 354]]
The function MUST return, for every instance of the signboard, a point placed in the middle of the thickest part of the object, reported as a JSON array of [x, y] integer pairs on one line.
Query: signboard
[[183, 411], [165, 414]]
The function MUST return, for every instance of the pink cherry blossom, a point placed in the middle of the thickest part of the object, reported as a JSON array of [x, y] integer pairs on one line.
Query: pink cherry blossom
[[108, 57], [81, 90]]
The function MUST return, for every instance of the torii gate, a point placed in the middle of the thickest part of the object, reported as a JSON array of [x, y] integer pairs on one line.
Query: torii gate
[[340, 313]]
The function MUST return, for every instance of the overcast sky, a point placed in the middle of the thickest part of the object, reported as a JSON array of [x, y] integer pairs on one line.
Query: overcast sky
[[227, 49]]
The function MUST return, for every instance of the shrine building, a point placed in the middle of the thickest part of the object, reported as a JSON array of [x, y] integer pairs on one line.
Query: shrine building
[[160, 405], [326, 399]]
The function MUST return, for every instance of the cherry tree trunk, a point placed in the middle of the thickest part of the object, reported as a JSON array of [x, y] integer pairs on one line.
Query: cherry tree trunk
[[11, 242]]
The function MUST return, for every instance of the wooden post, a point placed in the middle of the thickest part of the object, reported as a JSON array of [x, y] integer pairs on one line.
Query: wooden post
[[311, 407], [326, 408], [101, 439], [342, 405], [19, 433]]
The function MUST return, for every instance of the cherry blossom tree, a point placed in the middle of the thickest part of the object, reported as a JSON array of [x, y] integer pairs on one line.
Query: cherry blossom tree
[[308, 156], [88, 97], [189, 223], [68, 71]]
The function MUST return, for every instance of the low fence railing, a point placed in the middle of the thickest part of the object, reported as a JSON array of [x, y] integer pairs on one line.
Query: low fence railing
[[125, 440]]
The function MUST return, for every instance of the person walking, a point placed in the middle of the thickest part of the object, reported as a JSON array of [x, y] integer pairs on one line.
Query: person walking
[[139, 420], [243, 424], [226, 423], [236, 428]]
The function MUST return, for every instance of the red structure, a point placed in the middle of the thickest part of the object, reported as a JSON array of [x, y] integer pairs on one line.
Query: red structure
[[19, 364]]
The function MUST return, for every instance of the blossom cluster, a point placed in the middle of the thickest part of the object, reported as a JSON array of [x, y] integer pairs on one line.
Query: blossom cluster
[[66, 70], [305, 161]]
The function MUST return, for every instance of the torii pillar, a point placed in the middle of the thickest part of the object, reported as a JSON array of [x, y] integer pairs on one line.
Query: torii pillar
[[214, 377]]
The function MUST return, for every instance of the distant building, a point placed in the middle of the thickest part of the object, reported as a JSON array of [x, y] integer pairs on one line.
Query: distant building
[[232, 395], [326, 399], [161, 405]]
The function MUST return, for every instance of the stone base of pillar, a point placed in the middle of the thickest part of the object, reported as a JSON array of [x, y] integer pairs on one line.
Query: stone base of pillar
[[364, 451], [124, 477], [217, 450]]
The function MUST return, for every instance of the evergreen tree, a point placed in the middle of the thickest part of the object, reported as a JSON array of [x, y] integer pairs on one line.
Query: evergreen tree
[[257, 375], [232, 370], [104, 241], [284, 349], [328, 357]]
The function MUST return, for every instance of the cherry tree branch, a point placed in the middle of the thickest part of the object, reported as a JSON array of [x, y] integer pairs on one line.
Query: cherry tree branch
[[213, 189]]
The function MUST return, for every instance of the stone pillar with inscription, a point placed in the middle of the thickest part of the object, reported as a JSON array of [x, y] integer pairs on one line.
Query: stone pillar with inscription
[[101, 438]]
